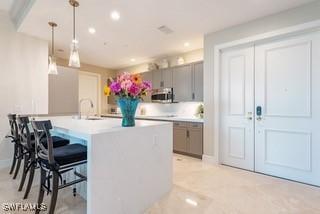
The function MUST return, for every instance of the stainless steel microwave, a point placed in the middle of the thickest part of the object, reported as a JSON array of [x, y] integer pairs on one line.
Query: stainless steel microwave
[[162, 95]]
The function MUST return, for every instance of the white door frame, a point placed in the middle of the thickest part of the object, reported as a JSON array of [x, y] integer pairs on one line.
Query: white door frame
[[253, 40], [99, 87]]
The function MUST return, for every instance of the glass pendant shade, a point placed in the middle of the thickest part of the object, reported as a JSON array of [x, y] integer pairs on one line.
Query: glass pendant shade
[[52, 68], [74, 60]]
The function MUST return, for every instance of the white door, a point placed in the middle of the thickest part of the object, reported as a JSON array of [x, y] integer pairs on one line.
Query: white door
[[89, 88], [287, 136], [237, 108]]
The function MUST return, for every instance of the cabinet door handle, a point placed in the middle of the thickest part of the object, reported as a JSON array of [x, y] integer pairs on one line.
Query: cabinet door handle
[[193, 96], [188, 134]]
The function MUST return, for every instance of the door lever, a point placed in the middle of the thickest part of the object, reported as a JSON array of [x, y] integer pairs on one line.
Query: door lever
[[249, 116], [259, 113]]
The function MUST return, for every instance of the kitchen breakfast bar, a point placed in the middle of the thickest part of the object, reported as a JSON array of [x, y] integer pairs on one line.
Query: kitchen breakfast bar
[[128, 169]]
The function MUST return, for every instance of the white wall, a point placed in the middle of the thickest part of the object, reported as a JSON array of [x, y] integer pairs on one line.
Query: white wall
[[182, 109], [288, 18], [105, 73], [64, 91], [23, 78]]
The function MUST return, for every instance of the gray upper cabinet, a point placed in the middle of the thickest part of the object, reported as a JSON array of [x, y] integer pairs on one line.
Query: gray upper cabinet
[[162, 78], [186, 81], [197, 94], [147, 76], [182, 83], [167, 77], [156, 79]]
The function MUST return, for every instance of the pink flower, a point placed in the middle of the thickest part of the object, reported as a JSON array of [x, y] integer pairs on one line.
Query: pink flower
[[134, 89], [126, 84], [123, 77], [115, 87], [146, 85]]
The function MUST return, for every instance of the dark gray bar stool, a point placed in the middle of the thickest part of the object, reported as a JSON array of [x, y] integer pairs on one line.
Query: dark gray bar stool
[[27, 140], [17, 154], [56, 161]]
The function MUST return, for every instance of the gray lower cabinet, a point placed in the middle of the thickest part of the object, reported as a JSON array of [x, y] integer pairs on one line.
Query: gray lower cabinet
[[188, 138], [179, 139]]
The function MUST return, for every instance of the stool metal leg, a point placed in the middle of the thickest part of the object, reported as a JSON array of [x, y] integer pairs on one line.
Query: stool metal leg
[[55, 188], [29, 185], [31, 175], [14, 160], [41, 189], [24, 173], [18, 163]]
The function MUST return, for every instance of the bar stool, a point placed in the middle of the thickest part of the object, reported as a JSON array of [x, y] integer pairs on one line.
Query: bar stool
[[54, 162], [17, 154], [27, 141]]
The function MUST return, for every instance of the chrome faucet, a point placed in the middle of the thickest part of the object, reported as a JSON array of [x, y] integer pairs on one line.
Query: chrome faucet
[[79, 107]]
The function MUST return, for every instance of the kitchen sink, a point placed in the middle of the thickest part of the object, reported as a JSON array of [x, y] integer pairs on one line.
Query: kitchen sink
[[93, 118]]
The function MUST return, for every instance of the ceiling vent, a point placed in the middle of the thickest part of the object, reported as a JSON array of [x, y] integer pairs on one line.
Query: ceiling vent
[[164, 29]]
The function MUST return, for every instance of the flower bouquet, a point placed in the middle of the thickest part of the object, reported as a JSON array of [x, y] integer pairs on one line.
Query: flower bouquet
[[129, 90]]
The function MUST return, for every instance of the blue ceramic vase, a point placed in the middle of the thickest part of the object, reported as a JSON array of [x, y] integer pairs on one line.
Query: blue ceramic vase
[[128, 108]]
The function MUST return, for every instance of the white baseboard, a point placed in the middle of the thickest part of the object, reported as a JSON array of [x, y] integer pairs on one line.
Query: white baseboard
[[5, 163], [209, 159]]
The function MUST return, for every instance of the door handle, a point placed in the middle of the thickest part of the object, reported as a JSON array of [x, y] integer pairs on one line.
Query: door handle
[[249, 116], [259, 113]]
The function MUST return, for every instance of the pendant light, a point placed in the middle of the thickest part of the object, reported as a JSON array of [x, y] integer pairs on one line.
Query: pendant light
[[74, 60], [52, 68]]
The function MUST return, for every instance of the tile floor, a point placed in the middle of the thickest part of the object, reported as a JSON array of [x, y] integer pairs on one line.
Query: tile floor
[[201, 188]]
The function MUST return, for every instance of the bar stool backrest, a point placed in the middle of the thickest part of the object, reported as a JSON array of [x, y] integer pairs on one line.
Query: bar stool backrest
[[24, 131], [13, 126], [42, 134]]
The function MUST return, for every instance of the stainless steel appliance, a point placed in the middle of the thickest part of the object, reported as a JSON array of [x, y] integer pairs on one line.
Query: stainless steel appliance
[[163, 95]]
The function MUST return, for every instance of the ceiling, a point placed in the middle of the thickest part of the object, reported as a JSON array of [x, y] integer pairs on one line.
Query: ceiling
[[5, 5], [136, 35]]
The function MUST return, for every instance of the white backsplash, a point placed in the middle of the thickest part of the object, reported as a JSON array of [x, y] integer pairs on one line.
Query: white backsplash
[[183, 109]]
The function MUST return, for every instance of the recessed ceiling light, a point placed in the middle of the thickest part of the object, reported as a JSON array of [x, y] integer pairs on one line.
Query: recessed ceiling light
[[132, 60], [92, 30], [115, 15], [191, 202], [186, 44]]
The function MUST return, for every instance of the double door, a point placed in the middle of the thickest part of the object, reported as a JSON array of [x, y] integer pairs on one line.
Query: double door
[[270, 108]]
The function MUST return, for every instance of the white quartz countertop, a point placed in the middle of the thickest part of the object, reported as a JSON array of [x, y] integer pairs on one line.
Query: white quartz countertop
[[171, 118], [97, 126]]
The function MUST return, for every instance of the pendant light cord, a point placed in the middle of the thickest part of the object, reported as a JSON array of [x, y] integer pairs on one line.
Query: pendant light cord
[[52, 42], [74, 23]]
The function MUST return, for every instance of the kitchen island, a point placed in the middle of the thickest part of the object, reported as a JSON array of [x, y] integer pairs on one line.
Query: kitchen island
[[128, 169]]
